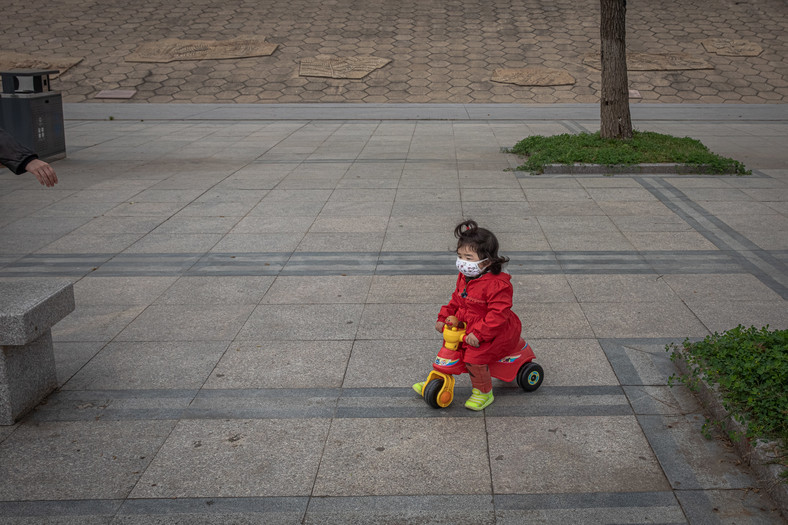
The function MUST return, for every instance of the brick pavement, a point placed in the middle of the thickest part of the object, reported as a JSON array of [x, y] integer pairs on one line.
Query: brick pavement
[[441, 51]]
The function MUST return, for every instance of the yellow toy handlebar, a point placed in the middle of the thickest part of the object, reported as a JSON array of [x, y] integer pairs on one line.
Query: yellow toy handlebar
[[453, 336]]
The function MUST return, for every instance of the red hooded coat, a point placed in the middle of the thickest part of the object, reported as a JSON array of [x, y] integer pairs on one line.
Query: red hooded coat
[[486, 310]]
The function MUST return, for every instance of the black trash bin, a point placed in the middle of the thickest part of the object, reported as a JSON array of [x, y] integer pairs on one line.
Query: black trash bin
[[32, 113]]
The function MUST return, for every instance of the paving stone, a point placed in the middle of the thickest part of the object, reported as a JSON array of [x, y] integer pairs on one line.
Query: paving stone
[[227, 289], [366, 457], [54, 454], [149, 365], [273, 364], [609, 454], [643, 319], [186, 323], [302, 322], [248, 458]]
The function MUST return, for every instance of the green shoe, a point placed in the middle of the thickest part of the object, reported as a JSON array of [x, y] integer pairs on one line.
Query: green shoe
[[478, 400], [419, 388]]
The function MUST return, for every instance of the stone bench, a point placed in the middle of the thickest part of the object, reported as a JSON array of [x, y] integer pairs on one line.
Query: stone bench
[[28, 310]]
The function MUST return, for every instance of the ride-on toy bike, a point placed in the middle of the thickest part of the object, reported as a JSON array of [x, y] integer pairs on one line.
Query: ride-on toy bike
[[438, 390]]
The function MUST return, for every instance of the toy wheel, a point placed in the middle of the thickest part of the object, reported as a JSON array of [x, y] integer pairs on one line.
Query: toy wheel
[[431, 391], [530, 377]]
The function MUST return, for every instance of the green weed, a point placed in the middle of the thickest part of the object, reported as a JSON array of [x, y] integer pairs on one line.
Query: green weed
[[750, 368]]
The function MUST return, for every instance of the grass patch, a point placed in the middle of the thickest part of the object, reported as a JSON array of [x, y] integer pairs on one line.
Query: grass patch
[[645, 147], [750, 369]]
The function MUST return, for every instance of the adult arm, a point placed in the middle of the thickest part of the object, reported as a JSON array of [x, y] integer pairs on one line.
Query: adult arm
[[20, 159], [14, 155]]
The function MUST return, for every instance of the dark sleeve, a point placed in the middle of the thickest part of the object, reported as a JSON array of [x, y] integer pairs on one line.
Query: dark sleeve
[[14, 155]]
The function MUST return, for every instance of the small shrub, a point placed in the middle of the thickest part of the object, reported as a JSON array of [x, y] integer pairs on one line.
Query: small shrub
[[750, 368]]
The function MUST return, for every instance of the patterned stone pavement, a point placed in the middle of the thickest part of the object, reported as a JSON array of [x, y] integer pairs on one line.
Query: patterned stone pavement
[[255, 296], [440, 51]]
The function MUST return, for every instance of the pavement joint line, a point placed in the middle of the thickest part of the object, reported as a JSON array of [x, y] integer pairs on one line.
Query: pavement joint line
[[417, 504], [574, 127], [766, 268], [405, 112]]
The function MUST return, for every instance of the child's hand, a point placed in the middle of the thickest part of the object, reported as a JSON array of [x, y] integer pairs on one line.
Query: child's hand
[[471, 340], [439, 326]]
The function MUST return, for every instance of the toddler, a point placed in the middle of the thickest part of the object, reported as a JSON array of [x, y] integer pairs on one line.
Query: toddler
[[482, 299]]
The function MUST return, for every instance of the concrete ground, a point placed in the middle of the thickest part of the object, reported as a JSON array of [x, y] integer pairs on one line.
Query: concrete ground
[[256, 290], [440, 51]]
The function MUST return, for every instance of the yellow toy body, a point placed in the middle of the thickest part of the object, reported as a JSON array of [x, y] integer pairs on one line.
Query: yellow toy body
[[438, 389]]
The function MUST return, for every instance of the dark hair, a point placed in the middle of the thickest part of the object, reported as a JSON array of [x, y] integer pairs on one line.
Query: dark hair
[[482, 241]]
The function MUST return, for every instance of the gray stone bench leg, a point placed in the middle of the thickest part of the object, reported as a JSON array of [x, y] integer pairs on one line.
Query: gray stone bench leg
[[28, 310]]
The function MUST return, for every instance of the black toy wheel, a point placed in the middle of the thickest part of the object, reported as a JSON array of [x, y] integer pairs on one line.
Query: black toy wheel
[[431, 391], [530, 377]]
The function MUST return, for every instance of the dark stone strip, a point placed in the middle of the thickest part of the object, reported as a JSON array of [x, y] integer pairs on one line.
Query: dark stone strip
[[584, 500], [65, 508], [403, 263], [290, 506], [298, 403], [751, 256]]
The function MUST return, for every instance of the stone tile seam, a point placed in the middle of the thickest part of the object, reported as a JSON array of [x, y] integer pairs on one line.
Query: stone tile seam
[[574, 126]]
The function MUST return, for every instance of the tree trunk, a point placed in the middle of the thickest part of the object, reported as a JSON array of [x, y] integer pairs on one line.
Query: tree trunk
[[616, 121]]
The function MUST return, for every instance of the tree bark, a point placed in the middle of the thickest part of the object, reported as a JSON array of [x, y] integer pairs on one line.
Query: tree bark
[[615, 118]]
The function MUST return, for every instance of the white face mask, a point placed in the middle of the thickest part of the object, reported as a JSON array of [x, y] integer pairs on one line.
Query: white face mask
[[469, 268]]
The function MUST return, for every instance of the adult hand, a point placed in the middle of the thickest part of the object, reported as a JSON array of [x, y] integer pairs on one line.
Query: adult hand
[[43, 172], [439, 326], [471, 340]]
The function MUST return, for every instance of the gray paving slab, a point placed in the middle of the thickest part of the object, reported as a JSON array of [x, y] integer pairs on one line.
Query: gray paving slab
[[97, 290], [168, 322], [265, 377], [96, 322], [606, 454], [302, 322], [573, 362], [246, 458], [383, 456], [272, 364], [658, 318], [149, 365], [216, 289], [52, 454]]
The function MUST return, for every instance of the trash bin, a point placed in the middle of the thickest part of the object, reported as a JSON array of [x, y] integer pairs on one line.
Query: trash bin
[[32, 113]]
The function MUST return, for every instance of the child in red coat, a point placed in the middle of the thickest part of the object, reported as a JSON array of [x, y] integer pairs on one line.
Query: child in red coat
[[482, 299]]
